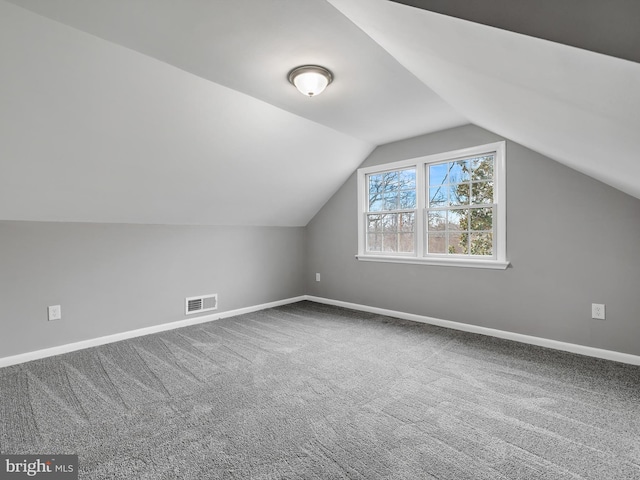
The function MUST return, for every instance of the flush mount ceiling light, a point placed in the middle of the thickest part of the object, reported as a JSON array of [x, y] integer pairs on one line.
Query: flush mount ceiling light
[[310, 80]]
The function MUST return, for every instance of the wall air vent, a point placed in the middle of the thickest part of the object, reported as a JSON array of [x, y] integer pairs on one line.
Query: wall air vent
[[202, 303]]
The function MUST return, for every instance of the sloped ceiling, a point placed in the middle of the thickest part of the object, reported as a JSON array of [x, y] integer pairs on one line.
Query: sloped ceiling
[[578, 107], [158, 111], [609, 27]]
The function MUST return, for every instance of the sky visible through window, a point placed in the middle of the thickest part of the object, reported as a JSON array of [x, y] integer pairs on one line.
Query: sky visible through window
[[459, 208], [393, 194]]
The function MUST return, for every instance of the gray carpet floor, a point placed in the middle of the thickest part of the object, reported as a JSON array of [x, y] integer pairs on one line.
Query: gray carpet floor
[[317, 392]]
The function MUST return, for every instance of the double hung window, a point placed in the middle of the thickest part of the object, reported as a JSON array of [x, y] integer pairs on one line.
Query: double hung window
[[445, 209]]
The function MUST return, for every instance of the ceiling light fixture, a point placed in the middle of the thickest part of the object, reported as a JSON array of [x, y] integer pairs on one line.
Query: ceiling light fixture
[[310, 80]]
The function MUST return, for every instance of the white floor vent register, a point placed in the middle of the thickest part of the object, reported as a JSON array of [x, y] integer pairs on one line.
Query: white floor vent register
[[202, 303]]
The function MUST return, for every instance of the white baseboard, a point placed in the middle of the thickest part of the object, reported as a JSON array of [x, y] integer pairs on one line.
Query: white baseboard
[[116, 337], [517, 337]]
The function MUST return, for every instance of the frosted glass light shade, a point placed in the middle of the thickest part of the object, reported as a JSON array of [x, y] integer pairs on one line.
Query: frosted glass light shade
[[310, 80]]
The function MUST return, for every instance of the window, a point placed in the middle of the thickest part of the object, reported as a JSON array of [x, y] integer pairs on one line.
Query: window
[[391, 216], [445, 209], [460, 206]]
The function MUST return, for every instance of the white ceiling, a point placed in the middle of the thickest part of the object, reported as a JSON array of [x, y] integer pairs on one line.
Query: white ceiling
[[578, 107], [157, 111]]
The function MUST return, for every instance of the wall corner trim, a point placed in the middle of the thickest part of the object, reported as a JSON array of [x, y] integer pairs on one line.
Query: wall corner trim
[[116, 337], [465, 327]]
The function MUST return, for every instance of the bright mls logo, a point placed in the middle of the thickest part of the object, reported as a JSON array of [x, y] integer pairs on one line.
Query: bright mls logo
[[50, 467]]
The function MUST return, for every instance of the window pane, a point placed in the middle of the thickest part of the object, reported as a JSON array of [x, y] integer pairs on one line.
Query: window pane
[[407, 222], [374, 223], [389, 242], [374, 192], [375, 183], [459, 171], [375, 203], [406, 242], [390, 201], [392, 190], [481, 218], [437, 174], [457, 243], [481, 244], [482, 192], [436, 243], [392, 232], [437, 197], [459, 194], [436, 220], [407, 179], [390, 223], [458, 219], [389, 181], [408, 199], [482, 168], [374, 242]]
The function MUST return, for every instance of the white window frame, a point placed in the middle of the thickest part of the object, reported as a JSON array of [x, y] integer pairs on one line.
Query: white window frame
[[499, 258]]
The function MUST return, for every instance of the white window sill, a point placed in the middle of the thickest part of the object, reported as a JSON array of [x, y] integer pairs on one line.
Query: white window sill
[[442, 262]]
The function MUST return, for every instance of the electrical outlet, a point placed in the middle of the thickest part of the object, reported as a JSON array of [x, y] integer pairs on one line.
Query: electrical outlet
[[55, 312], [597, 311], [317, 277]]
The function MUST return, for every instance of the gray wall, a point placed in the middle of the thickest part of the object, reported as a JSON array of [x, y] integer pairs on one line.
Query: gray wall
[[112, 278], [572, 241]]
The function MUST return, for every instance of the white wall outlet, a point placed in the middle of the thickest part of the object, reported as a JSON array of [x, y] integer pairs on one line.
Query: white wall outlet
[[317, 277], [55, 312], [597, 311]]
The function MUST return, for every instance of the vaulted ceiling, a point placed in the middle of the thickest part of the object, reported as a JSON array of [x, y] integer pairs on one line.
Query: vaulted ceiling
[[156, 111]]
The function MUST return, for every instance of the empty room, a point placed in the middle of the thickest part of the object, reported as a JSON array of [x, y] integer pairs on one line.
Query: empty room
[[320, 239]]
